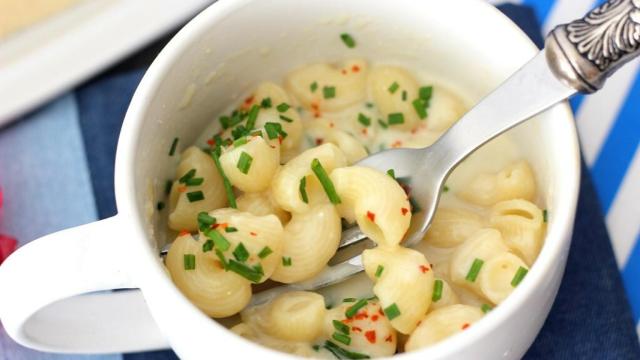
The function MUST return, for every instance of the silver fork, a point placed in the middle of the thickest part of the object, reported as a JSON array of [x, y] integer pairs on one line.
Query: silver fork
[[578, 56]]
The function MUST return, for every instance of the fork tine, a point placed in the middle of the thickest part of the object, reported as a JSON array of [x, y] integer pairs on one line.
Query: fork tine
[[329, 276], [351, 236]]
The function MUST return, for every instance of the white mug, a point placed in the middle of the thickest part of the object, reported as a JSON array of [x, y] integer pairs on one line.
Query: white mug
[[219, 55]]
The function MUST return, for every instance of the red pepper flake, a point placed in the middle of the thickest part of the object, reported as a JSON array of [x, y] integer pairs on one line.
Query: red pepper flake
[[279, 140], [316, 114], [364, 131], [315, 106], [465, 326], [396, 144], [389, 338], [355, 68], [380, 312], [344, 72], [371, 216], [356, 329], [182, 188], [211, 142], [331, 124], [319, 141], [374, 317], [248, 100], [361, 315], [273, 146], [347, 320], [414, 130], [424, 268], [183, 232], [404, 211], [253, 233], [371, 336]]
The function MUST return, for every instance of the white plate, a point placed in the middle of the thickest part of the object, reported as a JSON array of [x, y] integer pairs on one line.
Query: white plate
[[58, 53]]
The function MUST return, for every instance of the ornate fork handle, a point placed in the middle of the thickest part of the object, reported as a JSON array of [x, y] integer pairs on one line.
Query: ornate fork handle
[[585, 52]]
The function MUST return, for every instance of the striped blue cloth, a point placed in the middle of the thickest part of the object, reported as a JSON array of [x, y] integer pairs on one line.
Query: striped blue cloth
[[62, 156]]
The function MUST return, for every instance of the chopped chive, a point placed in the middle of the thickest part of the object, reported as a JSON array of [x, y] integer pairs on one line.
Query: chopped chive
[[313, 87], [266, 251], [195, 196], [394, 87], [392, 173], [194, 181], [349, 300], [353, 309], [345, 339], [188, 175], [244, 162], [545, 215], [325, 181], [404, 95], [437, 290], [245, 271], [286, 261], [379, 271], [382, 124], [341, 353], [240, 253], [227, 184], [420, 108], [174, 145], [303, 190], [485, 308], [395, 118], [220, 242], [364, 120], [239, 132], [258, 268], [445, 189], [225, 121], [230, 229], [167, 187], [341, 327], [392, 311], [256, 133], [160, 205], [189, 262], [240, 142], [425, 93], [205, 221], [285, 118], [274, 130], [368, 104], [316, 348], [520, 274], [348, 40], [253, 116], [474, 270], [283, 107], [266, 103], [207, 246], [329, 92], [220, 256]]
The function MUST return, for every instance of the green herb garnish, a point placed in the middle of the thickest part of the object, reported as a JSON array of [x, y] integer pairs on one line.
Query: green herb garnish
[[283, 107], [382, 124], [303, 190], [340, 326], [341, 353], [240, 253], [274, 130], [220, 242], [520, 274], [353, 309], [329, 92], [266, 103], [195, 196], [425, 93], [420, 108], [364, 120], [252, 274], [225, 180], [244, 162], [266, 251], [437, 290], [379, 270], [392, 311], [394, 87], [313, 87], [348, 40], [395, 118], [286, 261], [325, 181], [188, 175], [285, 118], [345, 339], [174, 145], [230, 229], [160, 205], [205, 221], [392, 173], [189, 262], [485, 308], [404, 95], [207, 246], [545, 215], [253, 116], [474, 270]]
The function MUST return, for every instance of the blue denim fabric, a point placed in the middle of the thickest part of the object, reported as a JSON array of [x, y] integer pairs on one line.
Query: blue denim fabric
[[590, 319]]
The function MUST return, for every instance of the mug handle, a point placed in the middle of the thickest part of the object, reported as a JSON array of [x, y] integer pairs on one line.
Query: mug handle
[[39, 283]]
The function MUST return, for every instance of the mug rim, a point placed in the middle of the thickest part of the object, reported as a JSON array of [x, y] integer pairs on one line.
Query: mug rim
[[149, 271]]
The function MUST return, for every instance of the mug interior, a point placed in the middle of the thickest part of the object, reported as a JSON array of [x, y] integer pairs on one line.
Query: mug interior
[[234, 45]]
